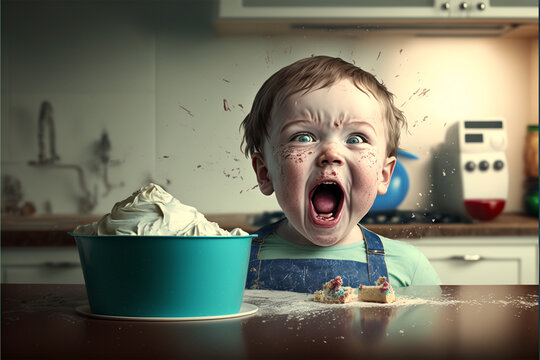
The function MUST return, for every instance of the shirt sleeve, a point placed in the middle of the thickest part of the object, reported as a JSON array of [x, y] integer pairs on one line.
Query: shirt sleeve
[[424, 273]]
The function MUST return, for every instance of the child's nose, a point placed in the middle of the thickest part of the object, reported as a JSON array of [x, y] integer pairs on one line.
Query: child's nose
[[330, 156]]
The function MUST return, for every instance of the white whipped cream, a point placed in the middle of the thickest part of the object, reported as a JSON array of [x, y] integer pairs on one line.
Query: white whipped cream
[[153, 211]]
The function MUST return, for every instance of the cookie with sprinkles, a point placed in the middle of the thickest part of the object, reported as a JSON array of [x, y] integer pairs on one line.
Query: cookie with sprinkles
[[334, 292], [382, 292]]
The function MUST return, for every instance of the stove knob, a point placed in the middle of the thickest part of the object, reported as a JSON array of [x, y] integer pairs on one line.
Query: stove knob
[[498, 164], [381, 219], [481, 6], [484, 165], [463, 6], [445, 6], [470, 166], [497, 142]]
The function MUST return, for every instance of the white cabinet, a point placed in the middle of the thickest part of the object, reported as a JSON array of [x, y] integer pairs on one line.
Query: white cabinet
[[41, 265], [482, 260], [376, 9], [362, 17], [493, 9], [324, 9]]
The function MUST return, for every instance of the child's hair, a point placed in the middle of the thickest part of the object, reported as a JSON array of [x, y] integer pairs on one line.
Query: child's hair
[[307, 75]]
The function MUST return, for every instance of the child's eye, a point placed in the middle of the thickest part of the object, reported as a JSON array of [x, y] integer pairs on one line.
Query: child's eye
[[303, 138], [356, 139]]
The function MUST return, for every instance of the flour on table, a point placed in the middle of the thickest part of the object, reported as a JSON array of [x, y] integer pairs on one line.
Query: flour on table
[[273, 302]]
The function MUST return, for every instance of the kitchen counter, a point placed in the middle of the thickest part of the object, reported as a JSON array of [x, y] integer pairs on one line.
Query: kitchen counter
[[52, 230], [503, 225], [450, 322]]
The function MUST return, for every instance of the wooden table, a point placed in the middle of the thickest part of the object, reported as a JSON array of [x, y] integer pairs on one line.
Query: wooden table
[[477, 322]]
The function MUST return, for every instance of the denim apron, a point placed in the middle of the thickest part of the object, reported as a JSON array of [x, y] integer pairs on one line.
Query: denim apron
[[308, 275]]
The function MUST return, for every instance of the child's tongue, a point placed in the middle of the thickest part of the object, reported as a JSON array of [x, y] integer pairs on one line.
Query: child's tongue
[[324, 201]]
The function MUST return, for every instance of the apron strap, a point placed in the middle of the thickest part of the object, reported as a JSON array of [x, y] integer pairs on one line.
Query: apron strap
[[254, 269], [375, 256]]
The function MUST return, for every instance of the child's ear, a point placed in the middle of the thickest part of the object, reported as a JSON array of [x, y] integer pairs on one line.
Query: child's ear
[[263, 178], [386, 174]]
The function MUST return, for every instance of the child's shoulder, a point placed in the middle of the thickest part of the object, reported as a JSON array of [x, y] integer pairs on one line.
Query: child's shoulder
[[398, 247], [407, 265]]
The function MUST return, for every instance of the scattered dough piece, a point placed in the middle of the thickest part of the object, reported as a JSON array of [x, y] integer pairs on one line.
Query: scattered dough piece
[[334, 293], [382, 292]]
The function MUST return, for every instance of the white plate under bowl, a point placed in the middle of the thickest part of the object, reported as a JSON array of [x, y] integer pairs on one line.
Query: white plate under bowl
[[245, 309]]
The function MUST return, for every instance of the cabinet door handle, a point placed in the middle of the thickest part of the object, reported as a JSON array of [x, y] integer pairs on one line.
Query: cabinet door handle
[[61, 264], [467, 257]]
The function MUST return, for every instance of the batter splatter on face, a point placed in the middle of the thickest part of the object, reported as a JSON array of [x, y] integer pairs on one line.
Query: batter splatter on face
[[294, 155], [325, 159], [369, 157]]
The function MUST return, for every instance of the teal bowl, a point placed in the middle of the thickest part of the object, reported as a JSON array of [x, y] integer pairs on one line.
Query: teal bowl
[[164, 276]]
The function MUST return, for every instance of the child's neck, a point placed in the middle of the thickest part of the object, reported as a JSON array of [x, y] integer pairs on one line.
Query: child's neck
[[286, 231]]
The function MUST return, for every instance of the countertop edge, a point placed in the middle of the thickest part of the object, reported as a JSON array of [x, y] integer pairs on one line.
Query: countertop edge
[[53, 231]]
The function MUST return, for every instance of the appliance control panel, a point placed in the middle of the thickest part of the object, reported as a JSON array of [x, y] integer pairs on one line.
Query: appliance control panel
[[482, 136], [471, 169], [482, 146]]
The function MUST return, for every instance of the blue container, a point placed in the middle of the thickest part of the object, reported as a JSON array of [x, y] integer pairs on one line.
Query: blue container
[[164, 276], [398, 187]]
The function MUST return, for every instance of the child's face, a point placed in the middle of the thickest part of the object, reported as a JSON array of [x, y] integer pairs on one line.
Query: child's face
[[326, 160]]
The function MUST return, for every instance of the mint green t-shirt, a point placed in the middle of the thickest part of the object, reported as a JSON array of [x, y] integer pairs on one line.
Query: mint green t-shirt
[[405, 263]]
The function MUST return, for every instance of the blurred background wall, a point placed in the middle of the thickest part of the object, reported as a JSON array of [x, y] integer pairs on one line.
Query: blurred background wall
[[149, 91]]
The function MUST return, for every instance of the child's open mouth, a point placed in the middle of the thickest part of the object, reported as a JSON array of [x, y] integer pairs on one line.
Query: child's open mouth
[[326, 203]]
